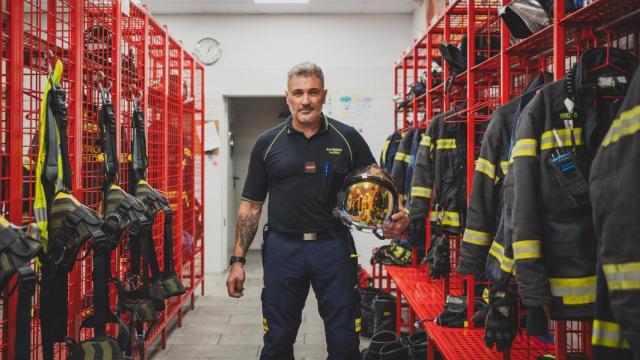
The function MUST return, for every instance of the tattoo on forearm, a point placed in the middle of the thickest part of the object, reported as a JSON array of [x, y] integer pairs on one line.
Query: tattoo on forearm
[[246, 229]]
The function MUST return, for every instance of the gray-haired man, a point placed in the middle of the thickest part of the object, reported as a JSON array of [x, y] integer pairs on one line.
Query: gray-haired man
[[301, 165]]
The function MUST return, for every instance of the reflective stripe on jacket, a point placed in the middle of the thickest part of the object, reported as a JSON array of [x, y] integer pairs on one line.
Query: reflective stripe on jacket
[[615, 175]]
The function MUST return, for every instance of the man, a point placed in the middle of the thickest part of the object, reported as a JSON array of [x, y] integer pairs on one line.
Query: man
[[301, 165]]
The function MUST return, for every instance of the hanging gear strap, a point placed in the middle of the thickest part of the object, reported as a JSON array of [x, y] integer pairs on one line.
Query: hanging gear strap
[[26, 289], [139, 161], [72, 224], [107, 126], [116, 220], [16, 251]]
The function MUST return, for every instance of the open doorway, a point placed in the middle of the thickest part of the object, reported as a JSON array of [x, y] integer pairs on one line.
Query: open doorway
[[248, 118]]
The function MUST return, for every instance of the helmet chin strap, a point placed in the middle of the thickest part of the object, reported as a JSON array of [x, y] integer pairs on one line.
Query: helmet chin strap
[[378, 233]]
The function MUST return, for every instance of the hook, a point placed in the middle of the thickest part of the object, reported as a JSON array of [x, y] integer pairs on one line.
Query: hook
[[136, 95], [100, 79]]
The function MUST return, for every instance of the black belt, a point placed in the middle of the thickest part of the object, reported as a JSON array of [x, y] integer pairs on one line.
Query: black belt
[[306, 236]]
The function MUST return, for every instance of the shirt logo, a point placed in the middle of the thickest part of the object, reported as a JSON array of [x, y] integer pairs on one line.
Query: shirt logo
[[334, 151]]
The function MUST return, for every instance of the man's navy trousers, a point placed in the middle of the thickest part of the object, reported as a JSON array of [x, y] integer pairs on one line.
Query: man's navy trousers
[[329, 265]]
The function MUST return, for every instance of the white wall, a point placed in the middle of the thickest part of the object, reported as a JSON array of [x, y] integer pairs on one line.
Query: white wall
[[419, 20], [357, 53]]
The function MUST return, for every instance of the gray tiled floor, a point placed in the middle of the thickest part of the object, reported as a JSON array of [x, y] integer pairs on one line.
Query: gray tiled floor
[[224, 328]]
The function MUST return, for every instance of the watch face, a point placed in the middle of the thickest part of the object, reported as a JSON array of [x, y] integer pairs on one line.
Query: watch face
[[208, 51]]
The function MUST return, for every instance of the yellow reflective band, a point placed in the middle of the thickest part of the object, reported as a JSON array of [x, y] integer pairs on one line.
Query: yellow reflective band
[[426, 141], [385, 146], [624, 276], [422, 192], [506, 263], [485, 295], [476, 237], [608, 334], [576, 291], [450, 218], [446, 144], [527, 249], [400, 156], [627, 124], [40, 201], [524, 147], [358, 324], [27, 162], [549, 141], [354, 255], [486, 167], [505, 166], [265, 327]]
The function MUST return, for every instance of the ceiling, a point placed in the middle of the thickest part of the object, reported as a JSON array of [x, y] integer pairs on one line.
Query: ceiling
[[249, 7]]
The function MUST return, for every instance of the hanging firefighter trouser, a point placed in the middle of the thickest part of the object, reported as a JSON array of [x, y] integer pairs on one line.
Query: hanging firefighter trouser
[[65, 224], [121, 212], [16, 252], [144, 301], [155, 202]]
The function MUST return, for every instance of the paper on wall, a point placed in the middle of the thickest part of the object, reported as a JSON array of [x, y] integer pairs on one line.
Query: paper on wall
[[353, 108], [211, 136]]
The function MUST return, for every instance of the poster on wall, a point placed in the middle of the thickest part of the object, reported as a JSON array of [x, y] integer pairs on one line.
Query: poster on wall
[[353, 108]]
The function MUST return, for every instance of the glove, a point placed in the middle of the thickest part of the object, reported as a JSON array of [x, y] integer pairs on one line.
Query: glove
[[501, 323], [399, 255], [416, 232], [438, 257]]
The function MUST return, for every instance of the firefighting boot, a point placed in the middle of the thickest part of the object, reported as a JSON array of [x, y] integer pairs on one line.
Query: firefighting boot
[[384, 307], [394, 351], [377, 342]]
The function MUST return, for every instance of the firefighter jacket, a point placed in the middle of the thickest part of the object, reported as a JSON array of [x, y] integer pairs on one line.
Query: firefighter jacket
[[401, 161], [615, 175], [389, 149], [500, 263], [553, 240], [440, 170], [404, 162], [483, 213], [415, 146], [486, 203]]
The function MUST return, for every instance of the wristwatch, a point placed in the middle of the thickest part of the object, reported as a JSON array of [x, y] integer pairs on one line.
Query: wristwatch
[[235, 259]]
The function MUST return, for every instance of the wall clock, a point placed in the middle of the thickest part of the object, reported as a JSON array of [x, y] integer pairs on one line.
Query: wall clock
[[208, 50]]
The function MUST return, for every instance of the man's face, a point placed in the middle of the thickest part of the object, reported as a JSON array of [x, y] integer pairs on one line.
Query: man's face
[[305, 97]]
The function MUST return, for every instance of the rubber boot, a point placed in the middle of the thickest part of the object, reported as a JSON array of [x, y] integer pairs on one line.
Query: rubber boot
[[367, 295], [394, 351], [384, 307], [377, 342], [418, 345]]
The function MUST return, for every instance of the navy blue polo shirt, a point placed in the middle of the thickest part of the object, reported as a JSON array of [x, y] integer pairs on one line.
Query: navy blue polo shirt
[[303, 176]]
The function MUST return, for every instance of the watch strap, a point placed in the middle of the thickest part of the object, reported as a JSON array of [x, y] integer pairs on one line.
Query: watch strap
[[235, 259]]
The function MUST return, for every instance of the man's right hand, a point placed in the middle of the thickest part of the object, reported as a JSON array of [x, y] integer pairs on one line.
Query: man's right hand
[[235, 281]]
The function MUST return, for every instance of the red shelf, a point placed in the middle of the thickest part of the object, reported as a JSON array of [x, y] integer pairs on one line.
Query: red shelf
[[491, 64], [602, 12], [424, 296], [463, 344], [534, 44]]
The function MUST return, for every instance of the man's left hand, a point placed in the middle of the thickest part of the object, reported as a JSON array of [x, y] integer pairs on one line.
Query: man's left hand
[[394, 229]]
